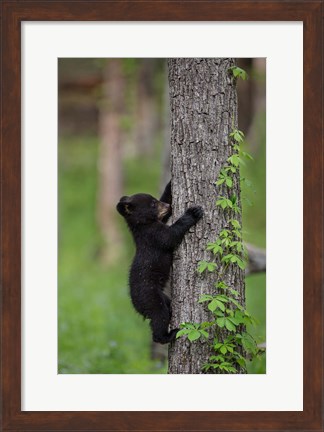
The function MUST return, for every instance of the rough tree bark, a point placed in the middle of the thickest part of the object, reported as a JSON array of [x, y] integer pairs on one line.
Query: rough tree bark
[[203, 113], [110, 159]]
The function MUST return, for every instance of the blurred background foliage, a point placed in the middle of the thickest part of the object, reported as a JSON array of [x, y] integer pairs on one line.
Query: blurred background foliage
[[114, 141]]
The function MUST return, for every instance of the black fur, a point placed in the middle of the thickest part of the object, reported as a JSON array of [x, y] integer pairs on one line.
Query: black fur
[[155, 243]]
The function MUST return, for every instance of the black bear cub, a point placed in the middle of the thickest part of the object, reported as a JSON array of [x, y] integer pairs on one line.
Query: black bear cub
[[155, 242]]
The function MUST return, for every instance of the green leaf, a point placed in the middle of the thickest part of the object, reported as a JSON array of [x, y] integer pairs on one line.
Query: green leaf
[[182, 333], [241, 161], [221, 305], [236, 208], [206, 367], [237, 233], [220, 250], [205, 297], [238, 137], [194, 335], [239, 317], [219, 313], [233, 291], [188, 325], [230, 168], [226, 242], [222, 297], [241, 361], [227, 258], [233, 199], [234, 321], [215, 248], [206, 324], [237, 304], [202, 265], [204, 333], [229, 325], [215, 366], [212, 305], [224, 233], [229, 182], [254, 321], [217, 358], [238, 72], [211, 266], [223, 349], [221, 285], [221, 322], [234, 160], [223, 202], [239, 247], [241, 263], [247, 155], [235, 223], [249, 343]]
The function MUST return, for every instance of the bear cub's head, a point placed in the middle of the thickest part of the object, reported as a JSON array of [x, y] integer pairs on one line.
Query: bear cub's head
[[142, 209]]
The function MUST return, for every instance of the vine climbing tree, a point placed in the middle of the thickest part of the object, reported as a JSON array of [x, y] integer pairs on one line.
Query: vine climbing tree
[[207, 282]]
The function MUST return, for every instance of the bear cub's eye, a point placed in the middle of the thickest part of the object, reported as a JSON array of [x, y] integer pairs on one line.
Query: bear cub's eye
[[153, 204]]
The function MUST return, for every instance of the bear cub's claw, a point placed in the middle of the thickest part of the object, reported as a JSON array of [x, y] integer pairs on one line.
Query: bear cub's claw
[[195, 212]]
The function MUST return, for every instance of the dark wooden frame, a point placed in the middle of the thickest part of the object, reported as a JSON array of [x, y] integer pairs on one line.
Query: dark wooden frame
[[13, 13]]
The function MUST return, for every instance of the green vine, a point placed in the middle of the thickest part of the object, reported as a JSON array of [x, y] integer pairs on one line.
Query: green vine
[[231, 352], [238, 72]]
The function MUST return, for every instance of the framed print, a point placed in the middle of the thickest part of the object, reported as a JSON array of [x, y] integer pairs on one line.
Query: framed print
[[45, 387]]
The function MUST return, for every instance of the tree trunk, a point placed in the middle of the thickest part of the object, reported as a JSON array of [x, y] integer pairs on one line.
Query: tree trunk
[[203, 114], [257, 260], [110, 159]]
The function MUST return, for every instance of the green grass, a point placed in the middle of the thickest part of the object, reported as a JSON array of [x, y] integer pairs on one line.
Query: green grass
[[99, 331], [254, 216], [254, 224], [256, 305], [93, 338]]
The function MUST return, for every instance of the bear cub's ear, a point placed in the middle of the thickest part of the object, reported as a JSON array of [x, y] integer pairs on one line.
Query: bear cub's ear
[[124, 207]]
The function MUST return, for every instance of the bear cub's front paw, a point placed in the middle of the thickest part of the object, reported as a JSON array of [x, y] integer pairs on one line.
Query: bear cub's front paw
[[195, 212]]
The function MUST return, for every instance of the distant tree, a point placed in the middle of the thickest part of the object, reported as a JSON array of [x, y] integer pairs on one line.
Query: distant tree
[[166, 153], [203, 114], [146, 113], [110, 158], [245, 93], [254, 135]]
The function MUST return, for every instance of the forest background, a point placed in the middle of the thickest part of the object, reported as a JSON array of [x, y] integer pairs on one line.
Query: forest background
[[114, 139]]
